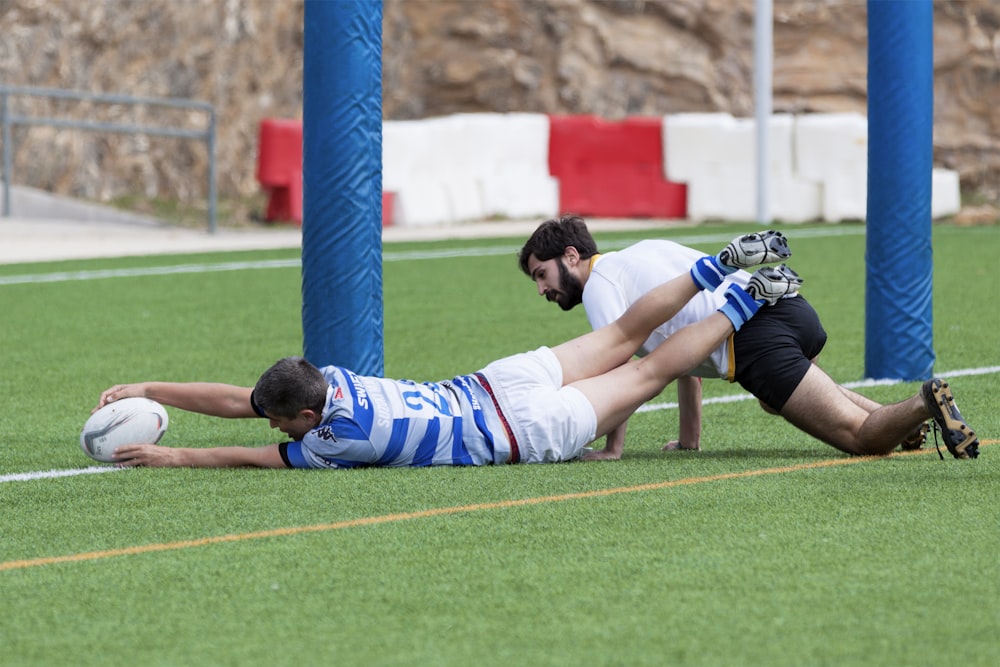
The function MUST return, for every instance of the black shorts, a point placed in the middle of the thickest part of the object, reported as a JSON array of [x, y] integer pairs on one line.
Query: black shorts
[[773, 350]]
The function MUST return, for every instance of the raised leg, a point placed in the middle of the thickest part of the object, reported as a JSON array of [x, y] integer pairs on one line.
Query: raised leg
[[611, 346], [617, 393]]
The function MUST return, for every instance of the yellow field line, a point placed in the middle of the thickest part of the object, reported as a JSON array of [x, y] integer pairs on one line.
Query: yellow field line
[[441, 511]]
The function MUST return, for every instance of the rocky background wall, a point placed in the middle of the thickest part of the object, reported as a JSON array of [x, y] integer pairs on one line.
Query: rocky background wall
[[607, 57]]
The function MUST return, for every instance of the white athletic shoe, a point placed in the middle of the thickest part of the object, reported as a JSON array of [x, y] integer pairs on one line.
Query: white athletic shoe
[[770, 283], [754, 249]]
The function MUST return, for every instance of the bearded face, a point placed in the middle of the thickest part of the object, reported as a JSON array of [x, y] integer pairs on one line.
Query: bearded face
[[570, 291]]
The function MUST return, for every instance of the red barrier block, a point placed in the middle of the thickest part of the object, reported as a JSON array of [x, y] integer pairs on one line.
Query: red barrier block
[[279, 171], [388, 205], [279, 168], [613, 169]]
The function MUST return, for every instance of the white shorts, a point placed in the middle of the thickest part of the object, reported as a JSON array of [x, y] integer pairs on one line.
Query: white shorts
[[550, 422]]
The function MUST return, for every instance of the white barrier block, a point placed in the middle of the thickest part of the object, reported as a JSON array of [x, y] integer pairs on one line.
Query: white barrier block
[[459, 152], [398, 145], [795, 200], [791, 198], [421, 201], [700, 149], [736, 189], [692, 140], [845, 195], [716, 155], [516, 182], [781, 136], [407, 151], [946, 193], [826, 143], [832, 150], [467, 167], [721, 192], [467, 156]]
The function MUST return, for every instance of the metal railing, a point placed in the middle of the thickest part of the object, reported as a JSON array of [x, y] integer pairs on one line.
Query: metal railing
[[8, 119]]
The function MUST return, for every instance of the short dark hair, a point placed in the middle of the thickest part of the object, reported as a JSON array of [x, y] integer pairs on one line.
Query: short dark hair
[[553, 237], [289, 386]]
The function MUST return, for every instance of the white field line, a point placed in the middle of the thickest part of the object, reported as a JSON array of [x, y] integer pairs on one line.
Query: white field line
[[388, 256], [735, 398], [53, 474], [649, 407], [98, 274]]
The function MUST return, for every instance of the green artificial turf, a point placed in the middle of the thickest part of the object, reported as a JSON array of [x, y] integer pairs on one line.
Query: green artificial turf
[[766, 548]]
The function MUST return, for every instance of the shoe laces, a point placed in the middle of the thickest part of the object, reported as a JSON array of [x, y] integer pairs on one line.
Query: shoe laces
[[937, 429]]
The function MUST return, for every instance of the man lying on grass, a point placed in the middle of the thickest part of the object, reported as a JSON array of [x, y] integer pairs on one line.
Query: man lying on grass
[[536, 407]]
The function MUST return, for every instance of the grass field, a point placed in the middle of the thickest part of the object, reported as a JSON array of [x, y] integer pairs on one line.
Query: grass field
[[765, 548]]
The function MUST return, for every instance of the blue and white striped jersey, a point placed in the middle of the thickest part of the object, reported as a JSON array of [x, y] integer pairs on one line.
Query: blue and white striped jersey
[[372, 421]]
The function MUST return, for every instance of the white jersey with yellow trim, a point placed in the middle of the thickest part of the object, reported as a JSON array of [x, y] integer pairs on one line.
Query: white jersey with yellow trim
[[618, 279]]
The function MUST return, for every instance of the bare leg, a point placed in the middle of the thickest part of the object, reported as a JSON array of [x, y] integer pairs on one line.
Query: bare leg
[[862, 402], [617, 393], [599, 351], [828, 412]]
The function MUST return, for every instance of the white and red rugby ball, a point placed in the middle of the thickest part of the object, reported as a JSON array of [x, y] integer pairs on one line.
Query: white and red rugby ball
[[129, 421]]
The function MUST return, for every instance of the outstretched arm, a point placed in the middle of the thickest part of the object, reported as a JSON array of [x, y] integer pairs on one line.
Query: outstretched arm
[[207, 398], [155, 456]]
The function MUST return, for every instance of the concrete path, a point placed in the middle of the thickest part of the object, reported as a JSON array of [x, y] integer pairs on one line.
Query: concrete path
[[46, 239]]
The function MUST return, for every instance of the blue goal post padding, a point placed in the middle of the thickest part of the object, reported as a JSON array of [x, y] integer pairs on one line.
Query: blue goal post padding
[[342, 317], [899, 341]]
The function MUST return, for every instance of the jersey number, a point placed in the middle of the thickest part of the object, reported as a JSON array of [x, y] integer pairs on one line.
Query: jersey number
[[416, 400]]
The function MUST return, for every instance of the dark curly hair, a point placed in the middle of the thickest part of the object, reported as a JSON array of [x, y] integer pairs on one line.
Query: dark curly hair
[[553, 237]]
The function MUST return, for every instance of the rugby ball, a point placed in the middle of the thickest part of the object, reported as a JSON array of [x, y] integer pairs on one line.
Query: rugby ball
[[129, 421]]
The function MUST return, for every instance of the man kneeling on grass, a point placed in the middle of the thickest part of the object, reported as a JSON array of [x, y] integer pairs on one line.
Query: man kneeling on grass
[[536, 407], [774, 357]]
